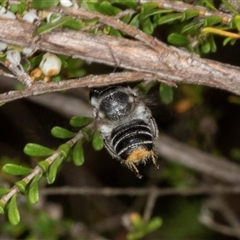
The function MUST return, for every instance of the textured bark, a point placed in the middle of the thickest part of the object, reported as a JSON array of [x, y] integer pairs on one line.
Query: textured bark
[[166, 63]]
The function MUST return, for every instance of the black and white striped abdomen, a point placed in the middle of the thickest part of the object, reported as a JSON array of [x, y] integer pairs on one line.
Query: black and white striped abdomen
[[132, 140]]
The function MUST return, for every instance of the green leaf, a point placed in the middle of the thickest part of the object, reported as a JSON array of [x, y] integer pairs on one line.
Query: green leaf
[[152, 12], [13, 213], [166, 93], [54, 169], [36, 150], [115, 32], [33, 194], [235, 153], [38, 4], [135, 21], [97, 141], [87, 133], [64, 149], [78, 153], [20, 8], [154, 224], [237, 22], [4, 191], [189, 13], [62, 133], [212, 20], [178, 39], [44, 165], [192, 27], [15, 169], [144, 87], [169, 18], [206, 47], [21, 186], [90, 5], [148, 6], [229, 40], [107, 8], [52, 25], [147, 26], [78, 121], [129, 3], [74, 24], [212, 44], [1, 208]]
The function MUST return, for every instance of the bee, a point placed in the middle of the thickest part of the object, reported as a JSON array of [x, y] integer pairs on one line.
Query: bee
[[126, 125]]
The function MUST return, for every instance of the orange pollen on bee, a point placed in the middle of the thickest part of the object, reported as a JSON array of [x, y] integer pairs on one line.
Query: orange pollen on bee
[[139, 154]]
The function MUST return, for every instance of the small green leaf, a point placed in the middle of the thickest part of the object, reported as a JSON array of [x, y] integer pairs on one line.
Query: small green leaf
[[212, 44], [33, 194], [128, 3], [97, 141], [235, 153], [78, 153], [169, 18], [115, 32], [37, 4], [212, 20], [148, 6], [192, 27], [20, 8], [135, 21], [36, 150], [64, 149], [152, 12], [74, 24], [154, 224], [52, 25], [206, 47], [21, 186], [189, 13], [54, 169], [62, 133], [78, 121], [147, 26], [44, 165], [178, 39], [144, 87], [87, 133], [15, 169], [90, 5], [4, 191], [229, 40], [237, 22], [166, 93], [1, 208], [13, 213], [107, 8]]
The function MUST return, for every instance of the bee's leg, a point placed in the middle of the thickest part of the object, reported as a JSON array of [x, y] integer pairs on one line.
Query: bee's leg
[[134, 169], [154, 161]]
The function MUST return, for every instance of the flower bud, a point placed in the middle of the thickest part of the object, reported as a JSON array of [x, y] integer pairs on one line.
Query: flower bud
[[50, 64]]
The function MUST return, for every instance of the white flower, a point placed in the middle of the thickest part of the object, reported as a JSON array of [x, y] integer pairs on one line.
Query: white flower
[[27, 51], [7, 14], [30, 17], [50, 64], [14, 57], [3, 46], [66, 3]]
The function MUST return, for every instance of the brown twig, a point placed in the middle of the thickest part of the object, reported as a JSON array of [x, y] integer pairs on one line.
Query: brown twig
[[89, 81], [167, 63], [220, 168]]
